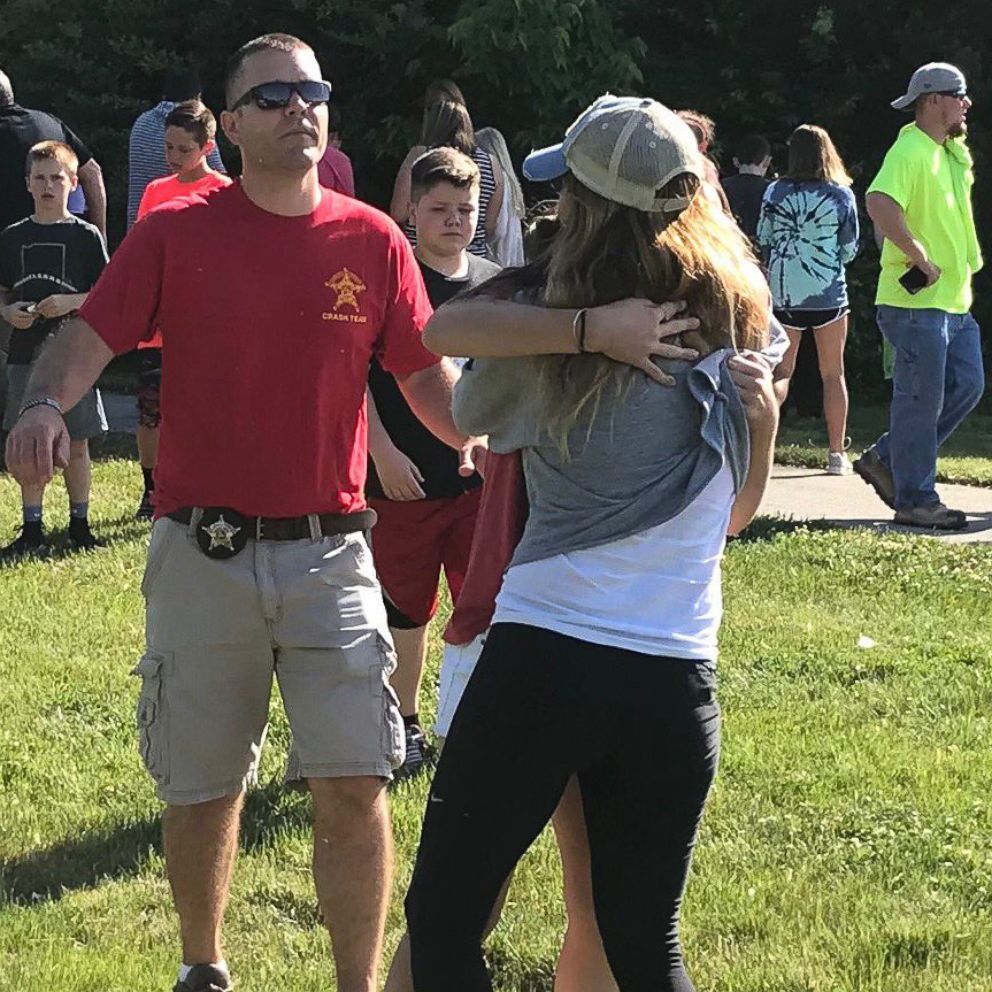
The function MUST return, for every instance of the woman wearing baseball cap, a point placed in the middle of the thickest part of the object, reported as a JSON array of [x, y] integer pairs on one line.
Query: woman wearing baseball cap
[[600, 663]]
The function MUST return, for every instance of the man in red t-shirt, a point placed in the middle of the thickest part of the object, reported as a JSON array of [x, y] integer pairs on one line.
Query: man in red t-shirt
[[273, 296], [190, 130]]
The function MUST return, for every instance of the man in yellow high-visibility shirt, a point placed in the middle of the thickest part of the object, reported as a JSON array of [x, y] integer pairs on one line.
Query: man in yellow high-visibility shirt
[[920, 202]]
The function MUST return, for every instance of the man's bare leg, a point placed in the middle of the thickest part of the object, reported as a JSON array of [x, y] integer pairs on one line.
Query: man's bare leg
[[201, 843], [352, 868], [411, 654], [78, 472]]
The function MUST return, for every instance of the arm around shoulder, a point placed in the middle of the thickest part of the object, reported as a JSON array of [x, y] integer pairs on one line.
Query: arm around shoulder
[[484, 327]]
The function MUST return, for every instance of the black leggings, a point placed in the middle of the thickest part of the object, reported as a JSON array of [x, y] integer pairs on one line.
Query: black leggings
[[643, 735]]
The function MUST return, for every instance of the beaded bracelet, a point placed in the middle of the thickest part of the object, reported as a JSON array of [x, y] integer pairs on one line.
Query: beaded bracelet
[[41, 401]]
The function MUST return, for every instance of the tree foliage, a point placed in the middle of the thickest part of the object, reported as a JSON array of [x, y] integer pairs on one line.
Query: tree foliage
[[526, 66]]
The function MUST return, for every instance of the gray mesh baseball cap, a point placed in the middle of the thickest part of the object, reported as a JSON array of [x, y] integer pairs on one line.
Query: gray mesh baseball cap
[[625, 149], [934, 77]]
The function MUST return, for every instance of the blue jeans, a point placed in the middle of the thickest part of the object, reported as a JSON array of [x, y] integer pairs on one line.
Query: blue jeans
[[937, 380]]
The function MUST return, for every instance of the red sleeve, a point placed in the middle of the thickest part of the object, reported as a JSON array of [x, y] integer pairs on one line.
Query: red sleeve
[[123, 305], [499, 528], [400, 349]]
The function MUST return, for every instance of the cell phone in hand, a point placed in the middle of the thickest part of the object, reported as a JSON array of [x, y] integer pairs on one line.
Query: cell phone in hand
[[913, 280]]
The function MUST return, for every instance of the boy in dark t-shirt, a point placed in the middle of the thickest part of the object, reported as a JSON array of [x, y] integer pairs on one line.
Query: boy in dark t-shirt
[[48, 263], [426, 501], [746, 190]]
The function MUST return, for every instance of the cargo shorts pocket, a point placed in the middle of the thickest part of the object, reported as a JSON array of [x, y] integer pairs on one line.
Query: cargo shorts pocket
[[163, 540], [152, 715], [393, 732]]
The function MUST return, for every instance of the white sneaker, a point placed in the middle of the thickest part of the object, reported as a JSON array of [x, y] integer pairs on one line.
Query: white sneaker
[[838, 463]]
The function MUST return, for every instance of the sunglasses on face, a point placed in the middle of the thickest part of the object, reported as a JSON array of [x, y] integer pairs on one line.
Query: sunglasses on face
[[276, 95], [957, 94]]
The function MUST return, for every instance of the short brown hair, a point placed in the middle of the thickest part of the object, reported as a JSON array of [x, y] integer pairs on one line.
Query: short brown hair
[[814, 158], [52, 151], [194, 117], [276, 42], [442, 165]]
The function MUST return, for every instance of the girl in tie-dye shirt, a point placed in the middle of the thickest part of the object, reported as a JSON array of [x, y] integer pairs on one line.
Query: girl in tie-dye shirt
[[808, 233]]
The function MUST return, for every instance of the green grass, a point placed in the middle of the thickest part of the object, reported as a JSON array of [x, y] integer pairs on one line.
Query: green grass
[[965, 458], [845, 849]]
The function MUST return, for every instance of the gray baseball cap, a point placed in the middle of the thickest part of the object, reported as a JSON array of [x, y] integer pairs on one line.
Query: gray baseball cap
[[934, 77], [625, 149]]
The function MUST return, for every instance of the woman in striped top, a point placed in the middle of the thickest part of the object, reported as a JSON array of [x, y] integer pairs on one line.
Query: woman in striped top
[[447, 124]]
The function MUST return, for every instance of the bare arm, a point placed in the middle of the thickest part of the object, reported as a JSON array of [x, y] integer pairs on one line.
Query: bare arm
[[91, 179], [754, 382], [890, 222], [631, 331], [429, 394], [14, 312], [66, 369], [399, 205], [60, 304], [399, 476]]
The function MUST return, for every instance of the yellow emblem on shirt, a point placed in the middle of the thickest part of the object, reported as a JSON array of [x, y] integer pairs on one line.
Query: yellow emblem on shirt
[[347, 286]]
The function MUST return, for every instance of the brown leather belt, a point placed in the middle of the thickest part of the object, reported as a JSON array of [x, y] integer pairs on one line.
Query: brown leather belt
[[289, 528]]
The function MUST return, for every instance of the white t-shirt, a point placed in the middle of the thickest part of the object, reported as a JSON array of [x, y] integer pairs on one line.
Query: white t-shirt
[[657, 592]]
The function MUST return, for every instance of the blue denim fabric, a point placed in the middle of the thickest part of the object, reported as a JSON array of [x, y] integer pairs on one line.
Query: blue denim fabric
[[937, 380]]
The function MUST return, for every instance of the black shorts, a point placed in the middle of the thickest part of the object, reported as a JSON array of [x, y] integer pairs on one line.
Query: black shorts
[[149, 384], [809, 320]]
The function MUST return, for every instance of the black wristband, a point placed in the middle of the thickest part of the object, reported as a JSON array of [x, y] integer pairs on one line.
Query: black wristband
[[579, 329]]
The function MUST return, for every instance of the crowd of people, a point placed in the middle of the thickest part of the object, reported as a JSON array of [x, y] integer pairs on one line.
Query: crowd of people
[[565, 417]]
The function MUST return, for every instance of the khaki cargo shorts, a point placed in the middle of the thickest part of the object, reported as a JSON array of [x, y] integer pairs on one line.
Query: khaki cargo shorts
[[309, 613]]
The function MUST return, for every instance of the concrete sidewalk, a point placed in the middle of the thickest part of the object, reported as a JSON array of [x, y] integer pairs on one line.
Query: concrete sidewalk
[[810, 494]]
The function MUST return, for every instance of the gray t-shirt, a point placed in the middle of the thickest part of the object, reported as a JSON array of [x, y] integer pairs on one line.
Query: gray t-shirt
[[639, 460]]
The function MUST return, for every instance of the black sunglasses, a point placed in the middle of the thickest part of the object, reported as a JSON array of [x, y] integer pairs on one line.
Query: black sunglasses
[[276, 95]]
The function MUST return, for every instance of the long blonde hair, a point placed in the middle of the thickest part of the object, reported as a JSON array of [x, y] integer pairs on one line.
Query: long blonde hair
[[492, 141], [605, 251]]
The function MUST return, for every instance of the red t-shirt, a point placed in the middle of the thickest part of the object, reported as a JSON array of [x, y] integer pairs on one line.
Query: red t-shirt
[[271, 323], [335, 172], [169, 189], [498, 529]]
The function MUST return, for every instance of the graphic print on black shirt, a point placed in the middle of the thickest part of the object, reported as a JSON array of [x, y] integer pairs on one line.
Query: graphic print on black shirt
[[437, 462], [39, 260]]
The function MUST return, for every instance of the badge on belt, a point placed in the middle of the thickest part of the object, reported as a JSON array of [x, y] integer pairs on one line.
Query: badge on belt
[[221, 532]]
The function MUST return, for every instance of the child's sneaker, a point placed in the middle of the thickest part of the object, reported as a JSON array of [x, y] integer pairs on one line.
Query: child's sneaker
[[838, 463], [146, 509]]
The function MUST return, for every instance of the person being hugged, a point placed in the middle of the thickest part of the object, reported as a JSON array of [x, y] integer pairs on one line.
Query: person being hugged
[[600, 662]]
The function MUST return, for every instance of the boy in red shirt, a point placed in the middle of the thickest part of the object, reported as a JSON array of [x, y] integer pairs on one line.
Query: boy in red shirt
[[190, 130]]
